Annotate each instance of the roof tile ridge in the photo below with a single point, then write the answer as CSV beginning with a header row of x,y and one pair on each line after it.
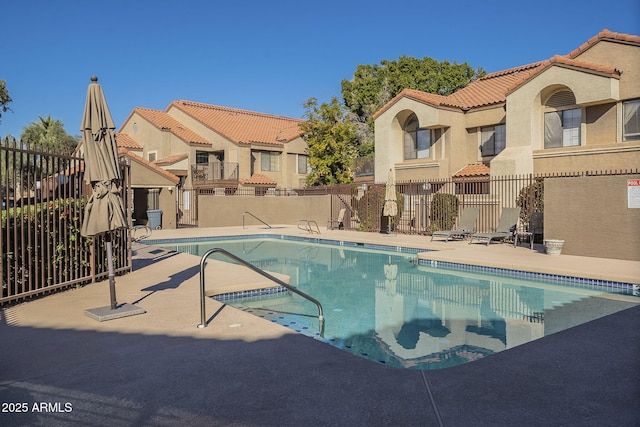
x,y
559,59
124,151
514,70
232,109
176,128
604,34
148,109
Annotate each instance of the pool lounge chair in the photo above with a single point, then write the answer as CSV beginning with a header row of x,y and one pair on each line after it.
x,y
466,226
506,226
535,228
337,223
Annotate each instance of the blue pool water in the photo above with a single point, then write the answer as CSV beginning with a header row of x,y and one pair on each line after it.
x,y
382,306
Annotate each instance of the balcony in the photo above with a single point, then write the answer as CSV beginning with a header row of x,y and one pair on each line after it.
x,y
215,174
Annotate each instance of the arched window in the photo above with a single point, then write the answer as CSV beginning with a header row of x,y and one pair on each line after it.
x,y
562,120
417,142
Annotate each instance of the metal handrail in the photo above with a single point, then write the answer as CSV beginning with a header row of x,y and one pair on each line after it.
x,y
203,320
307,226
246,212
136,237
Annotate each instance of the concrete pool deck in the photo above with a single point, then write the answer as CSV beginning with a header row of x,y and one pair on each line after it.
x,y
159,369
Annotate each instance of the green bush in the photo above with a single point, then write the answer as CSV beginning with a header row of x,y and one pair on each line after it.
x,y
47,243
444,210
371,205
530,200
50,249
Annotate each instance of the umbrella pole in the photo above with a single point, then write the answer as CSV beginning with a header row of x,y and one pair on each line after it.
x,y
112,280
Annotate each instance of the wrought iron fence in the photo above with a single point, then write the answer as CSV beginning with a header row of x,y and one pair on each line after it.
x,y
43,197
428,206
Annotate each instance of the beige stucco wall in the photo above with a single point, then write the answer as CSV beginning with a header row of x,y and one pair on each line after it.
x,y
168,205
618,157
623,57
222,211
448,154
599,95
591,215
246,155
146,178
164,143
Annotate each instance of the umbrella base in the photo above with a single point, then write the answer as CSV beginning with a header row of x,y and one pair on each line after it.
x,y
102,314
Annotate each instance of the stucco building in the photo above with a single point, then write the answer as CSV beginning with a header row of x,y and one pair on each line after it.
x,y
577,112
219,147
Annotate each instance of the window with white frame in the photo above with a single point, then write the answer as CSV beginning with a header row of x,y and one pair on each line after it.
x,y
152,156
631,120
494,140
270,161
417,142
562,128
303,164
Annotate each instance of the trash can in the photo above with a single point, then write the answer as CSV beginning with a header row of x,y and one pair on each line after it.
x,y
155,219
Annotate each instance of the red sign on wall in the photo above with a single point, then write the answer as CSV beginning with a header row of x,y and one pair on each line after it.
x,y
633,193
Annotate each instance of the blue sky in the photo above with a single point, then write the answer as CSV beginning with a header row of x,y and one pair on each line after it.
x,y
262,56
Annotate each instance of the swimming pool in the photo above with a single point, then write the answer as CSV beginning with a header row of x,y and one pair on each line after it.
x,y
380,304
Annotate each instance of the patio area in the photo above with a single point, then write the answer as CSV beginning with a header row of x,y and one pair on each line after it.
x,y
159,369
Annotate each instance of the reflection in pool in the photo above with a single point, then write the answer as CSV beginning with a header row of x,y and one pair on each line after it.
x,y
383,306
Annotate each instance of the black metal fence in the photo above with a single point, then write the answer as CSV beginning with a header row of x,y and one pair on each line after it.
x,y
428,206
43,197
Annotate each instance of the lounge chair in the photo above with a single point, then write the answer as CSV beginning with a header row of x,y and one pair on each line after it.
x,y
337,223
466,226
535,228
506,226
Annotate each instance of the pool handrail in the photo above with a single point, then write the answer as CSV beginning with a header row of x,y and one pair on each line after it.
x,y
203,320
305,224
247,212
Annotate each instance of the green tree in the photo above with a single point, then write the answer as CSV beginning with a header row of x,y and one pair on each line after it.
x,y
372,86
5,99
51,133
331,140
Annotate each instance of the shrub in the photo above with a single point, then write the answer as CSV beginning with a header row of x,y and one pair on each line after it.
x,y
531,199
371,205
444,210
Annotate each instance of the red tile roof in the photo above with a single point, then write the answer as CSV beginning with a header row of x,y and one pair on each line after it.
x,y
473,170
124,152
490,89
602,35
125,141
163,121
493,88
242,126
563,61
170,160
258,179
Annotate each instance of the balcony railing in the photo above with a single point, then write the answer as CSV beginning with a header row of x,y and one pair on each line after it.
x,y
215,174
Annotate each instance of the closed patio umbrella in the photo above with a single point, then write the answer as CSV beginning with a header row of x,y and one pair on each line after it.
x,y
390,199
104,212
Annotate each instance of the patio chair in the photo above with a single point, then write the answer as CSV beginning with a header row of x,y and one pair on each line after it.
x,y
338,222
466,225
506,226
534,228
